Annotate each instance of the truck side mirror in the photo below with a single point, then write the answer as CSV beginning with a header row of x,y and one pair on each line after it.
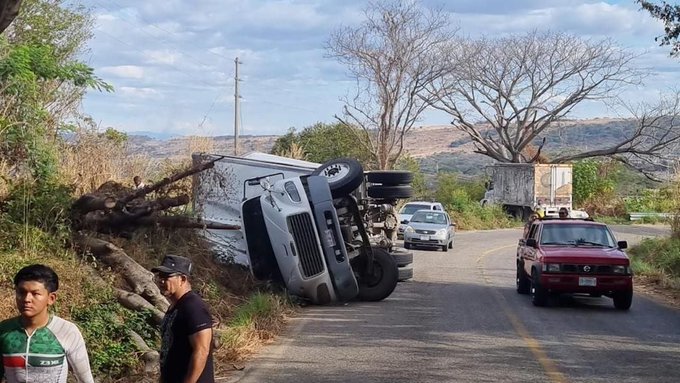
x,y
265,184
531,242
622,244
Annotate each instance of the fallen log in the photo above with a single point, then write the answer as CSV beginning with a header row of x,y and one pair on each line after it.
x,y
138,278
179,221
90,202
168,180
150,357
135,302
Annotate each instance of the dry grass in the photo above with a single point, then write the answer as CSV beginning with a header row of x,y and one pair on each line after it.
x,y
198,144
74,280
91,159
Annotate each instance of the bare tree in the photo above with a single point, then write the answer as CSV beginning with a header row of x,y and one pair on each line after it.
x,y
651,146
504,93
393,57
670,15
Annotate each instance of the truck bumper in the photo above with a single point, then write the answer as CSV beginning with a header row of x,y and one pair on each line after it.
x,y
574,283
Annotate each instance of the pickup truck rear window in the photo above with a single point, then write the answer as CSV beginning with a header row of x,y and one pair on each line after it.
x,y
577,235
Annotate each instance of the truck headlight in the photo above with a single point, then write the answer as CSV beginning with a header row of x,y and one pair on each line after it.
x,y
292,191
620,269
409,229
551,267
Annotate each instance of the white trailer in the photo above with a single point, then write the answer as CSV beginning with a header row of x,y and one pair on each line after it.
x,y
520,188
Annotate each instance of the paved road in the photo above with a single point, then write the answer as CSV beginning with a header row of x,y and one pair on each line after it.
x,y
460,320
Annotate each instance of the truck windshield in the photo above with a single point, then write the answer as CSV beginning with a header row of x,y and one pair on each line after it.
x,y
410,209
577,235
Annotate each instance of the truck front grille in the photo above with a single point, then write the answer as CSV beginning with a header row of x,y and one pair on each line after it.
x,y
587,269
302,229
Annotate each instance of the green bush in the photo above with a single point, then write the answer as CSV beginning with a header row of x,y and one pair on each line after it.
x,y
653,200
35,216
106,328
657,254
461,200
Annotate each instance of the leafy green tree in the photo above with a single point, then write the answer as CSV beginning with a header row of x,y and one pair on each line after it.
x,y
670,15
322,142
284,143
592,177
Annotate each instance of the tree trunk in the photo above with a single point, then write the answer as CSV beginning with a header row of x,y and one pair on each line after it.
x,y
168,180
135,302
177,221
150,357
140,279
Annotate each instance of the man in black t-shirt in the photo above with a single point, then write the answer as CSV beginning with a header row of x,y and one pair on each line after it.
x,y
186,331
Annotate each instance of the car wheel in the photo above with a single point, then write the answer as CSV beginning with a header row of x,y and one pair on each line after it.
x,y
451,244
539,296
407,245
390,177
623,299
344,175
523,283
445,247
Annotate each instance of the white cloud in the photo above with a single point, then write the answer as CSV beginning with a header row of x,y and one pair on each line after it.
x,y
130,91
164,57
124,71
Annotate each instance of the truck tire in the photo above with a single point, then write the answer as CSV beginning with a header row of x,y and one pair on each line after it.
x,y
382,282
523,283
405,273
402,258
539,296
390,191
623,299
344,175
390,177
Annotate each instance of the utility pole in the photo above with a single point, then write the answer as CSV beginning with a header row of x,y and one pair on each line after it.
x,y
237,108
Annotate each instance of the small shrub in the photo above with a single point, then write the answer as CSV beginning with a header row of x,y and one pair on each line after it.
x,y
106,327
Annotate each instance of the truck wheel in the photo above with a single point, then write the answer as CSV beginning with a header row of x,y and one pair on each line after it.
x,y
391,191
390,177
402,258
523,283
382,282
343,174
539,296
623,299
405,273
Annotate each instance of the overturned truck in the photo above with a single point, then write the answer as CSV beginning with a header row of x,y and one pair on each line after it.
x,y
302,225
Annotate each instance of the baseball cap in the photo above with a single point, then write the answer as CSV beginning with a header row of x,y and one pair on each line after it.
x,y
174,264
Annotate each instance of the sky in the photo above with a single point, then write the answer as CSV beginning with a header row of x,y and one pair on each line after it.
x,y
171,62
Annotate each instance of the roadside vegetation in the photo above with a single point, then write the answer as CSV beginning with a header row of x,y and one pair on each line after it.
x,y
658,260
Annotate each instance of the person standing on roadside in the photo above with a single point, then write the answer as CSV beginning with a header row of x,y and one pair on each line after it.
x,y
186,331
37,347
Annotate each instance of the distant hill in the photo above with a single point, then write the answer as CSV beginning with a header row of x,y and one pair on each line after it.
x,y
438,147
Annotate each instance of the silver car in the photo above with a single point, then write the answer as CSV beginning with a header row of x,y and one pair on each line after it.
x,y
430,228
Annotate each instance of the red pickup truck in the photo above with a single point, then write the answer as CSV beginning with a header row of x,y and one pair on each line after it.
x,y
573,256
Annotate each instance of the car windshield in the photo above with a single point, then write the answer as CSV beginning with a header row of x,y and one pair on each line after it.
x,y
577,235
410,209
429,217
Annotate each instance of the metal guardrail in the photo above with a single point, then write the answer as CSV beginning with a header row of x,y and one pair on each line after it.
x,y
640,216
